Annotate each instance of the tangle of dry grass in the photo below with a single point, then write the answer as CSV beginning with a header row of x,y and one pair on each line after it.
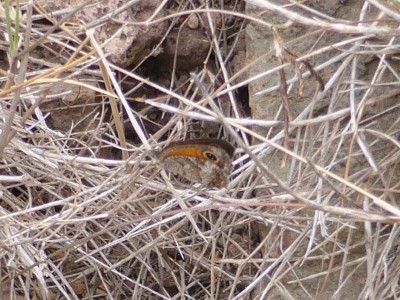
x,y
86,214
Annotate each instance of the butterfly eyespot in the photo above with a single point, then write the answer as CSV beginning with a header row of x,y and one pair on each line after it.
x,y
210,156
